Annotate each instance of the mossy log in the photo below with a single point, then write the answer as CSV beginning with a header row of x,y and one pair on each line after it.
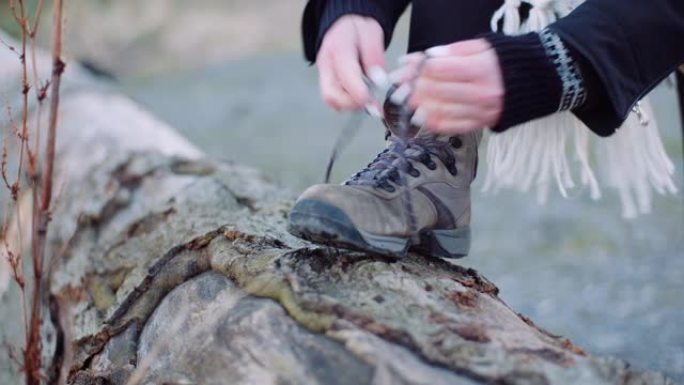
x,y
177,269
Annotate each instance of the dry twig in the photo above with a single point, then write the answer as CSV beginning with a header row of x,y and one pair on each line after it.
x,y
40,190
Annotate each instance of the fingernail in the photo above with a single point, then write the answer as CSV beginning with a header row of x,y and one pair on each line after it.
x,y
418,118
438,51
409,57
378,76
396,76
400,95
403,59
373,111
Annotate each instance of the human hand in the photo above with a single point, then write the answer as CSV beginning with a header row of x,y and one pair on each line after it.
x,y
459,88
352,47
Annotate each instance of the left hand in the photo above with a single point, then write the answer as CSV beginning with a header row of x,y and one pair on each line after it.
x,y
460,88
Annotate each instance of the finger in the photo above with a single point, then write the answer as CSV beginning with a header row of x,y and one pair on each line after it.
x,y
408,69
437,112
412,58
443,115
454,126
400,95
330,89
454,68
400,75
371,46
463,48
429,90
403,74
419,117
374,109
348,72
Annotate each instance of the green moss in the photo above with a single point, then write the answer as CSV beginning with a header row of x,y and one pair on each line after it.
x,y
254,274
275,287
102,295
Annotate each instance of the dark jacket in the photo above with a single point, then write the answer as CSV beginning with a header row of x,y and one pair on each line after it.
x,y
624,47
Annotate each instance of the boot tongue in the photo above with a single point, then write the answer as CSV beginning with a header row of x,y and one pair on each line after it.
x,y
415,132
393,118
423,132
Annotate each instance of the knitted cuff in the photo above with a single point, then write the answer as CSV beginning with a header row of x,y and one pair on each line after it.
x,y
335,9
574,94
539,74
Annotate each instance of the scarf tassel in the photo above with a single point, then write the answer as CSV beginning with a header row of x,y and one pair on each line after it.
x,y
535,154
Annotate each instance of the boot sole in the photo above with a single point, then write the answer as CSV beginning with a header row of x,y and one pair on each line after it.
x,y
323,223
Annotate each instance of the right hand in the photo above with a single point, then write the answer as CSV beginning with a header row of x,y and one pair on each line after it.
x,y
353,46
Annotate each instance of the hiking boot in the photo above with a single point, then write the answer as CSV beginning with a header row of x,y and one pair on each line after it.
x,y
370,212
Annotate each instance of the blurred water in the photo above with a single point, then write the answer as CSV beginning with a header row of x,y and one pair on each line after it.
x,y
574,266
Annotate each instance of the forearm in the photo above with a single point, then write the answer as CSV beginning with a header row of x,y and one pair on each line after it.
x,y
319,15
617,65
630,45
541,76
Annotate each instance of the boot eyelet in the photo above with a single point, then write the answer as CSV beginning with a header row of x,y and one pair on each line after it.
x,y
414,173
432,166
456,142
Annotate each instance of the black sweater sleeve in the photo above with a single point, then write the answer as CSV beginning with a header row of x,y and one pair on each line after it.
x,y
625,47
533,87
319,15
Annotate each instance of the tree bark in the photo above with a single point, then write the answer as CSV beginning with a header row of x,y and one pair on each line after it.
x,y
175,268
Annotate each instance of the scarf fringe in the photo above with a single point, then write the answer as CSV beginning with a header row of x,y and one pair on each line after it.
x,y
535,154
636,163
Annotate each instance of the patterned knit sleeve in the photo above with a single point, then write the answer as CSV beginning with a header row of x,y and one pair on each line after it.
x,y
630,46
540,75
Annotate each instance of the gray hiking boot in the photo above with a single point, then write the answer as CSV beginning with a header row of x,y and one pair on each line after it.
x,y
370,212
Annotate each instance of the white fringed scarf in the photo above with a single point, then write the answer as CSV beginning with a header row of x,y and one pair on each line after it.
x,y
535,154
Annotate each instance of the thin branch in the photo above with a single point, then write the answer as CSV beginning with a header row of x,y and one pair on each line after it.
x,y
8,46
58,67
42,199
20,16
3,166
15,11
36,19
13,187
12,354
40,94
14,260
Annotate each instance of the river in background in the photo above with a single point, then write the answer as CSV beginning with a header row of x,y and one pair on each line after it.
x,y
574,266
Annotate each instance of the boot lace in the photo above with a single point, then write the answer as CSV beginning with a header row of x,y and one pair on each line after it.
x,y
390,167
396,160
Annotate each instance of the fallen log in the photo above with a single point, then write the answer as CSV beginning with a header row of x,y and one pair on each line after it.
x,y
175,268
